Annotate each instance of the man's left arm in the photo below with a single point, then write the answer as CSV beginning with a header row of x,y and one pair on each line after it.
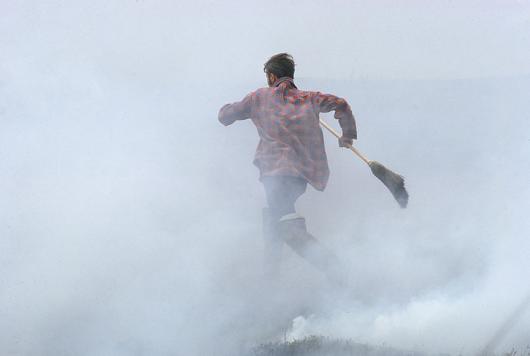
x,y
240,110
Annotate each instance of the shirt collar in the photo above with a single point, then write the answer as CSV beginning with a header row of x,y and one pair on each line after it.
x,y
290,82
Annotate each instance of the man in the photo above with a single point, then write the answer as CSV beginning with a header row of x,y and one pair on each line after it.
x,y
290,154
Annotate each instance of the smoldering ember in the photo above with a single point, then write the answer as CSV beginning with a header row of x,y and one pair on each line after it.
x,y
248,178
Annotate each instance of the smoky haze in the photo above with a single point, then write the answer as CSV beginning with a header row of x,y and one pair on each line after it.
x,y
130,219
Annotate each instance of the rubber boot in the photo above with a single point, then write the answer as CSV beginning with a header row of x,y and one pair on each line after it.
x,y
292,228
272,245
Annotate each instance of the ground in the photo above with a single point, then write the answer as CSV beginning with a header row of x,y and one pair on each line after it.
x,y
320,346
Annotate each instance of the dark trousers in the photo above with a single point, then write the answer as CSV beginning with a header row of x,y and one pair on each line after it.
x,y
282,193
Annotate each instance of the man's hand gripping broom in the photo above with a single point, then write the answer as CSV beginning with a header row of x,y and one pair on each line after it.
x,y
393,181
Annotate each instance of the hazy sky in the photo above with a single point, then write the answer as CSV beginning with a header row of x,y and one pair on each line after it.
x,y
332,39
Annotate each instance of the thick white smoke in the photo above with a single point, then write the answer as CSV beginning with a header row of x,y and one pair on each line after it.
x,y
130,219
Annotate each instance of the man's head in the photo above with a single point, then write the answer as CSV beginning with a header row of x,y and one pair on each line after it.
x,y
279,65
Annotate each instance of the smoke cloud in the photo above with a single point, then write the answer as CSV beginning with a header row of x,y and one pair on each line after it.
x,y
130,219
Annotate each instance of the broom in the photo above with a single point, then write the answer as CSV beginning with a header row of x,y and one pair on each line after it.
x,y
393,181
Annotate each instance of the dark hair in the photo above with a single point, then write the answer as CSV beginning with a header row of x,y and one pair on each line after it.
x,y
281,65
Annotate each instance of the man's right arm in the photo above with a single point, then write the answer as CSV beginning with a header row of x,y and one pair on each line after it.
x,y
240,110
326,103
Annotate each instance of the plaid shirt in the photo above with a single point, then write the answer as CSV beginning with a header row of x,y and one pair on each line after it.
x,y
287,119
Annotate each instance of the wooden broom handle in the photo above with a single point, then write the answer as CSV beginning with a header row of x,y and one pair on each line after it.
x,y
337,135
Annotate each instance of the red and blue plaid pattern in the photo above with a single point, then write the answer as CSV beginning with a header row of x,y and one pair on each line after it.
x,y
287,119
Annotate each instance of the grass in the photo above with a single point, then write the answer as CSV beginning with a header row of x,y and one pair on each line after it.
x,y
322,346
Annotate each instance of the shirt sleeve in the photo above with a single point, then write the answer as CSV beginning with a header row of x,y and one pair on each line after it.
x,y
240,110
343,113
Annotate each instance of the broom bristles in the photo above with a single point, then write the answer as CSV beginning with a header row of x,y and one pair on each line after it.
x,y
393,181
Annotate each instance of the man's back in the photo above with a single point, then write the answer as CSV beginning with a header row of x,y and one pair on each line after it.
x,y
287,119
